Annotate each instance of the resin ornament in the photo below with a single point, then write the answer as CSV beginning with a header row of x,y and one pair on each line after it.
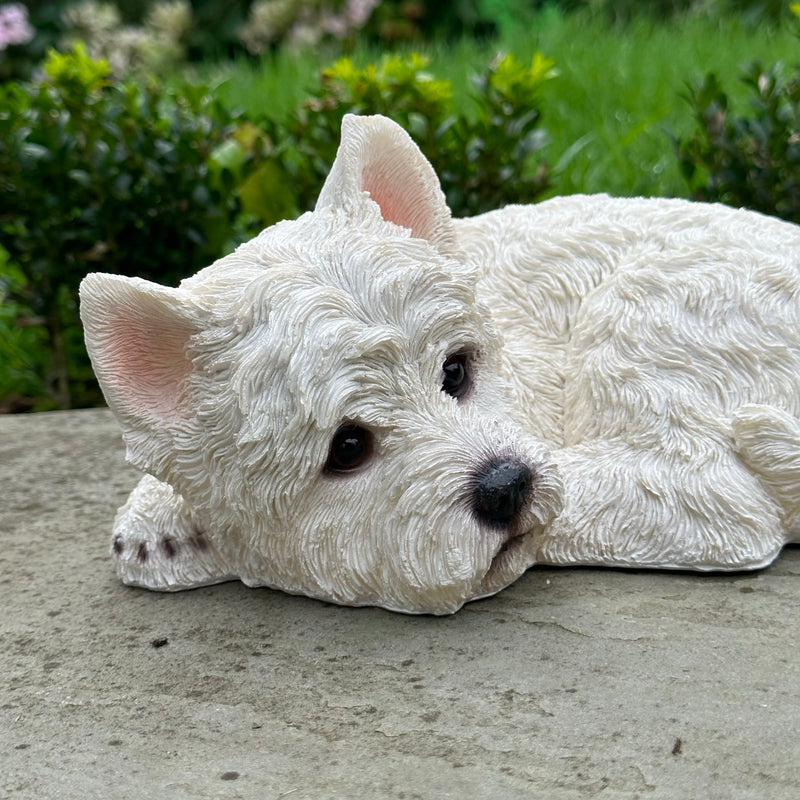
x,y
377,404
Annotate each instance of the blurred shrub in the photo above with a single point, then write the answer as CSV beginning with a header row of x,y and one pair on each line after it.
x,y
23,347
214,32
150,35
758,12
20,41
158,32
307,22
624,11
154,38
142,180
100,176
753,12
303,23
154,45
485,159
751,161
15,28
399,20
490,160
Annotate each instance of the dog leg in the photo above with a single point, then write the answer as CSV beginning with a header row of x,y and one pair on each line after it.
x,y
639,507
768,441
157,544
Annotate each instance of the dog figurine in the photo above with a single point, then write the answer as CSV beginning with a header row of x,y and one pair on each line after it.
x,y
377,404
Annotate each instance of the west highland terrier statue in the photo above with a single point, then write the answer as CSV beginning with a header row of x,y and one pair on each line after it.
x,y
377,404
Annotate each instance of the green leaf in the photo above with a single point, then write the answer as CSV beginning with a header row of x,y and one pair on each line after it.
x,y
75,71
265,194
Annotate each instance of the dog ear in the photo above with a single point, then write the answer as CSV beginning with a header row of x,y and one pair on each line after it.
x,y
136,335
378,157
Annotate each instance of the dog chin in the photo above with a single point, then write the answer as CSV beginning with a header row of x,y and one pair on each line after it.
x,y
513,557
515,551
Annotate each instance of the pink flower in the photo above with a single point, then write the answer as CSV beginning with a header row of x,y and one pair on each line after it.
x,y
14,25
358,11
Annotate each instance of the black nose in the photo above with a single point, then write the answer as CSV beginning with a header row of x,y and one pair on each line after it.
x,y
501,488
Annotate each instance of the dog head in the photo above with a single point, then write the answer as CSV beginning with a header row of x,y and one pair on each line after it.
x,y
331,399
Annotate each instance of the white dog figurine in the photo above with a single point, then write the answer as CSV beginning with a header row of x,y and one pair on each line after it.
x,y
377,404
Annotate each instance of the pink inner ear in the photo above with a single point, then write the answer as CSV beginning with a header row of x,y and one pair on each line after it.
x,y
145,363
402,195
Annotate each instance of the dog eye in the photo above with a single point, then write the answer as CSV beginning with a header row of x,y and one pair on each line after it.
x,y
456,375
350,448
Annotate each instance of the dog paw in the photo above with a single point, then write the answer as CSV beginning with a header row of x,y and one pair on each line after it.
x,y
158,545
767,439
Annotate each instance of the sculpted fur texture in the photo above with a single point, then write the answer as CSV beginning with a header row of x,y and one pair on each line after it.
x,y
377,404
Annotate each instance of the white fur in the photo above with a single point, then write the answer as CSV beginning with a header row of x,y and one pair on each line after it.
x,y
642,357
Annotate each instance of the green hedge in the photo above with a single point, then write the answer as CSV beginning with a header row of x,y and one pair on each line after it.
x,y
155,181
95,175
484,160
753,159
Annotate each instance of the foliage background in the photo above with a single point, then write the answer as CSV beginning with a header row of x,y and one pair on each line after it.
x,y
182,128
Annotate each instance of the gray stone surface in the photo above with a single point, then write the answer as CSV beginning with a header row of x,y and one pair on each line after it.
x,y
572,683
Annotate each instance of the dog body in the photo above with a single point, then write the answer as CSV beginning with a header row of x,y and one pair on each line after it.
x,y
378,404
